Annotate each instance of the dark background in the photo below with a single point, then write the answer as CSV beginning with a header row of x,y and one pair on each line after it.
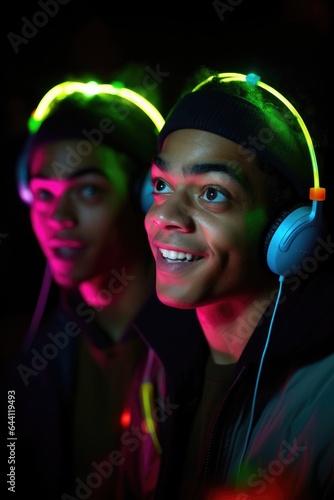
x,y
98,38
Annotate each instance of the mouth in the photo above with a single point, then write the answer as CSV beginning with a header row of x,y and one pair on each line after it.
x,y
67,249
174,256
67,253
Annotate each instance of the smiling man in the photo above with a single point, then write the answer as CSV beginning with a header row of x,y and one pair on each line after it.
x,y
231,228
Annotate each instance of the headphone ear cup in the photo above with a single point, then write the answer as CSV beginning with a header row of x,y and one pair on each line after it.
x,y
290,239
272,229
22,173
145,193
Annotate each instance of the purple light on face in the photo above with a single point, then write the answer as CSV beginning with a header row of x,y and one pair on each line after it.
x,y
54,186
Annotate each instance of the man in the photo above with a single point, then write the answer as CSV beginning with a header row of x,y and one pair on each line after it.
x,y
89,392
235,236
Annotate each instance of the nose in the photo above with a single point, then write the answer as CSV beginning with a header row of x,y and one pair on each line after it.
x,y
173,214
63,215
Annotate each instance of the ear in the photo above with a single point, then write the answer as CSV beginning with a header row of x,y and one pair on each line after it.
x,y
293,237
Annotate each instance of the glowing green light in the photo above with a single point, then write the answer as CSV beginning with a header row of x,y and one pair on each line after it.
x,y
90,89
316,192
148,403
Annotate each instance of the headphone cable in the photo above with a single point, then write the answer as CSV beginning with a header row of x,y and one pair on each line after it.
x,y
39,309
280,279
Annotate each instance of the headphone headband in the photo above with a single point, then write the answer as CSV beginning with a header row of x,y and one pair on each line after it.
x,y
293,235
316,193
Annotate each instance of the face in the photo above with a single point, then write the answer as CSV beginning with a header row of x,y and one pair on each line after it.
x,y
80,210
206,224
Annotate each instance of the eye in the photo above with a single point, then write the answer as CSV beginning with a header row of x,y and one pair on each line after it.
x,y
42,195
90,191
214,195
160,187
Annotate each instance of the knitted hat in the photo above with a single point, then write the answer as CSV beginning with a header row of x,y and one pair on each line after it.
x,y
111,122
235,118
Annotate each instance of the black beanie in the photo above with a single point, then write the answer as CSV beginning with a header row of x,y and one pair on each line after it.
x,y
241,121
114,123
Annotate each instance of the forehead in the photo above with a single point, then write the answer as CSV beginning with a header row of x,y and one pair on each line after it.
x,y
185,148
66,158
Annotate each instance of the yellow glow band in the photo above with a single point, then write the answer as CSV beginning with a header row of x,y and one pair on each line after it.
x,y
92,88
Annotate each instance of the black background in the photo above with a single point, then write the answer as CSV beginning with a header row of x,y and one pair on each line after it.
x,y
98,38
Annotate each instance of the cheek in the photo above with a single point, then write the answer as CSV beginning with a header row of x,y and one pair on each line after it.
x,y
148,219
39,225
99,223
239,236
255,222
224,235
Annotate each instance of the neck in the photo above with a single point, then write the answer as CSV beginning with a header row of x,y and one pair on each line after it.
x,y
118,297
229,324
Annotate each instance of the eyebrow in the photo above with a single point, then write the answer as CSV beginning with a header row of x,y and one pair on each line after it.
x,y
78,173
230,168
87,171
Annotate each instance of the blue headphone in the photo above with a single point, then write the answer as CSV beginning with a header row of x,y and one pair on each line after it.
x,y
144,192
293,235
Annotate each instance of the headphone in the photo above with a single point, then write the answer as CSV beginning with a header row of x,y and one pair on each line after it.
x,y
293,234
143,189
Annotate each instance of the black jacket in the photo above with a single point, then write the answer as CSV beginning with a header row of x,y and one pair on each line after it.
x,y
41,385
289,453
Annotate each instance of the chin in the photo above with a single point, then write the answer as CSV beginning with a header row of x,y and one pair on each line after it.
x,y
175,302
65,281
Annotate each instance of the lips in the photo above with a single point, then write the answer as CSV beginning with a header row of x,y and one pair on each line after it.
x,y
175,260
67,249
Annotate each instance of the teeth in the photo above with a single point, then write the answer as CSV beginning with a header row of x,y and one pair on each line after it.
x,y
173,255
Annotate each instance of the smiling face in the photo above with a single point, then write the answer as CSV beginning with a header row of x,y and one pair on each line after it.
x,y
80,211
206,224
